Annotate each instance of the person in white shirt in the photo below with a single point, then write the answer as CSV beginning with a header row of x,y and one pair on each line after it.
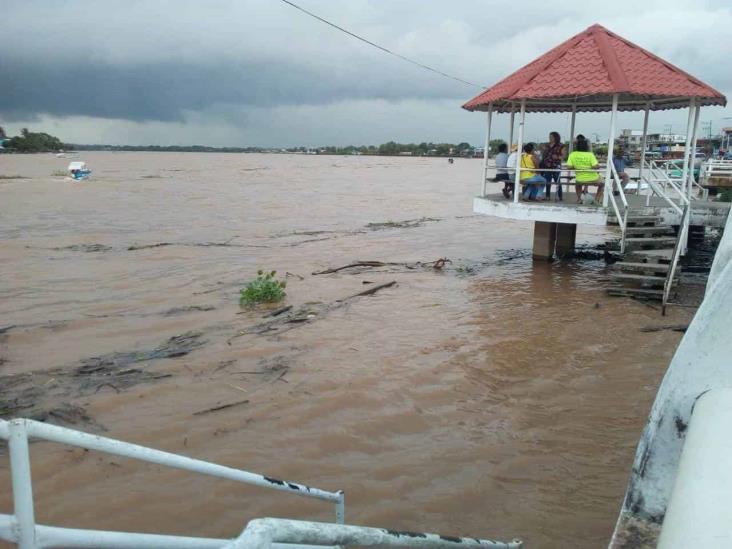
x,y
510,168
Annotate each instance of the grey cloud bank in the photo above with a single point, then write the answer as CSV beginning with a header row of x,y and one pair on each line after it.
x,y
261,73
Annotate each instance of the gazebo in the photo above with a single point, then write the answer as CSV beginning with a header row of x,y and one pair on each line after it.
x,y
595,70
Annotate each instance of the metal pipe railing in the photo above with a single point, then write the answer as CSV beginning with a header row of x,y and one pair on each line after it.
x,y
622,220
678,247
263,533
18,431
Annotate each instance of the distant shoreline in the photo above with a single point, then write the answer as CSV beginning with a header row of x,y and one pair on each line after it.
x,y
230,150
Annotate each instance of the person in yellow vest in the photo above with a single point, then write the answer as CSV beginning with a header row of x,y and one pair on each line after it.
x,y
534,184
582,159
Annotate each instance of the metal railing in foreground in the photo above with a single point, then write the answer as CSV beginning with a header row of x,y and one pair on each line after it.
x,y
22,529
264,533
678,248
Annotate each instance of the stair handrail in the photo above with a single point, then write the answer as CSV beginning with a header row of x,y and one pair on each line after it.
x,y
699,187
622,221
655,188
664,177
678,247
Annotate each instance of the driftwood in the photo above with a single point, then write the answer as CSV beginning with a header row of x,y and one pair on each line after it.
x,y
221,407
34,393
372,290
278,312
356,264
305,314
672,327
437,264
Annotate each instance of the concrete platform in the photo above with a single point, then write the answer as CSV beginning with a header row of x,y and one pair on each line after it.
x,y
552,212
706,213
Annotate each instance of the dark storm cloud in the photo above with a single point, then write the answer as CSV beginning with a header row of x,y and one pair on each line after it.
x,y
259,71
163,91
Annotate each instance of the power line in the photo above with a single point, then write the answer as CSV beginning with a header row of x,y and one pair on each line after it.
x,y
362,39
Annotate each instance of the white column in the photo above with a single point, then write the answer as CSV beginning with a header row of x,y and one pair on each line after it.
x,y
484,188
644,139
692,153
687,144
510,131
571,127
610,146
571,140
517,175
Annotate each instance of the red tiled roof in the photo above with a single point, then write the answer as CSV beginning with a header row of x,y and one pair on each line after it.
x,y
587,70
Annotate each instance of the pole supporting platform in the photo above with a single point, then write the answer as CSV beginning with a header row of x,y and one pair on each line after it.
x,y
545,238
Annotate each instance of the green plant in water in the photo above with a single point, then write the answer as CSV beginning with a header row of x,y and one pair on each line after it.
x,y
263,289
725,196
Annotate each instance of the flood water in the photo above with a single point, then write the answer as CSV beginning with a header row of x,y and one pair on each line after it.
x,y
497,397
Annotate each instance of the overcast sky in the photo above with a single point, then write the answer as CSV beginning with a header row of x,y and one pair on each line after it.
x,y
259,72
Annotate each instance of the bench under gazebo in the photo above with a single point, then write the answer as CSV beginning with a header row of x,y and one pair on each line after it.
x,y
594,71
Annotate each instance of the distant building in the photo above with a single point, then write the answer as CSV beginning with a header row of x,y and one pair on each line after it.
x,y
631,139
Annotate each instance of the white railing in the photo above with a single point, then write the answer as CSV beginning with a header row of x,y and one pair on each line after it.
x,y
678,248
264,533
622,220
661,172
22,529
701,190
652,176
714,168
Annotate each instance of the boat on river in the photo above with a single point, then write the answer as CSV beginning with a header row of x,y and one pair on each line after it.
x,y
79,171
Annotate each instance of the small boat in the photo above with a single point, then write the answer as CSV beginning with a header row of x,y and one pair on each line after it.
x,y
79,171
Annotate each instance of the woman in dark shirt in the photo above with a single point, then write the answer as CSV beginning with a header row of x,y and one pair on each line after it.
x,y
552,159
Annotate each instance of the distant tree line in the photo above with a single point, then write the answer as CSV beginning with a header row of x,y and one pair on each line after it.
x,y
165,148
30,142
393,148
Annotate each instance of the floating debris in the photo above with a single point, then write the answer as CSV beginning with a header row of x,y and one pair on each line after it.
x,y
188,309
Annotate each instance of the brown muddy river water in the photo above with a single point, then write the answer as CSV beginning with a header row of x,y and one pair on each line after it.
x,y
497,397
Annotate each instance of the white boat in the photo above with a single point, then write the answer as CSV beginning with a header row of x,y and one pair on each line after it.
x,y
78,171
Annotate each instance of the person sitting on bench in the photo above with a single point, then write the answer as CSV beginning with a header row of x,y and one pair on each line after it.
x,y
582,161
502,169
534,184
620,164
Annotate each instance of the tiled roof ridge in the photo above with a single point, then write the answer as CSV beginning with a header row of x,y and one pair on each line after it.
x,y
561,50
665,63
609,58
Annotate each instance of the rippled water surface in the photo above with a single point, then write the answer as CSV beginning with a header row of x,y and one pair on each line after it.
x,y
497,397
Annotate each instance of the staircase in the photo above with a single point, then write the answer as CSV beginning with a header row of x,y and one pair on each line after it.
x,y
646,265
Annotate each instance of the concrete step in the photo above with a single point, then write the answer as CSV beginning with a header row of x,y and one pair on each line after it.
x,y
646,242
643,220
640,266
649,280
650,256
657,229
644,293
